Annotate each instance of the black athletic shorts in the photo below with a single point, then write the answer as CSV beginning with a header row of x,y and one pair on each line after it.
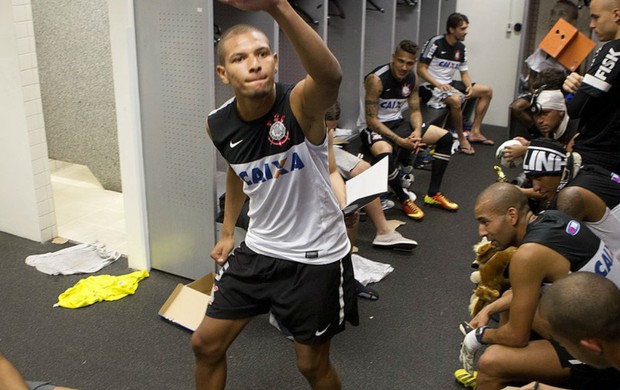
x,y
311,301
585,377
606,159
601,182
401,128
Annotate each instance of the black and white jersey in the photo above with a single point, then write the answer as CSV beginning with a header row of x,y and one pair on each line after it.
x,y
294,214
576,242
443,59
597,103
394,97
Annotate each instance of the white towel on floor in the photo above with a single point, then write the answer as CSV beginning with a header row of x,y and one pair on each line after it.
x,y
83,258
368,271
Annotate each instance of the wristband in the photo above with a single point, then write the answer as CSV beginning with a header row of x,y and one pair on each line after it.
x,y
480,332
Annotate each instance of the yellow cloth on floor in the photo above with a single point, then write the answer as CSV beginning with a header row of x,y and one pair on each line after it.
x,y
100,288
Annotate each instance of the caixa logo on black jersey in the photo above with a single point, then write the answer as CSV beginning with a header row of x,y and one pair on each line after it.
x,y
272,170
278,133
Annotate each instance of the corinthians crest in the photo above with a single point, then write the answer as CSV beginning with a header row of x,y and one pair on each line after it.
x,y
406,90
278,133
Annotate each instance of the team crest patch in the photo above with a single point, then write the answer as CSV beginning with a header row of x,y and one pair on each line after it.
x,y
406,90
457,55
278,133
615,177
573,227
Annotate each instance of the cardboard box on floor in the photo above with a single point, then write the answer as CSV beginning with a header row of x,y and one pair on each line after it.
x,y
187,304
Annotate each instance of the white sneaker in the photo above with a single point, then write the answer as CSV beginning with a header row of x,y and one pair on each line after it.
x,y
404,168
387,204
394,240
411,194
406,180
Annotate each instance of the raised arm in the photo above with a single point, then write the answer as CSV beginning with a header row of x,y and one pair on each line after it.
x,y
319,90
312,96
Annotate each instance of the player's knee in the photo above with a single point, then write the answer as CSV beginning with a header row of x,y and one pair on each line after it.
x,y
486,91
312,365
206,348
308,365
444,144
519,105
392,170
453,101
362,166
490,362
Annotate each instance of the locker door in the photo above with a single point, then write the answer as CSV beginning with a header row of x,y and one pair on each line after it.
x,y
176,76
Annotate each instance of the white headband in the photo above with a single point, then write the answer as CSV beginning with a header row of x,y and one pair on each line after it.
x,y
551,100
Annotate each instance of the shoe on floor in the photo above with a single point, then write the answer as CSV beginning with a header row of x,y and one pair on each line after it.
x,y
412,210
411,194
465,378
394,240
439,200
365,291
465,328
387,204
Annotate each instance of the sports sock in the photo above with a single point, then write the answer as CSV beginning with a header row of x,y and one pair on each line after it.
x,y
394,177
441,158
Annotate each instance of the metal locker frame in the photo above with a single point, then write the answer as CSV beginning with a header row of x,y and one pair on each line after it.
x,y
175,73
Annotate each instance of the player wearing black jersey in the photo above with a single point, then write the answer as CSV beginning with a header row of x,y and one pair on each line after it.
x,y
441,57
388,90
550,246
597,93
295,261
583,312
591,195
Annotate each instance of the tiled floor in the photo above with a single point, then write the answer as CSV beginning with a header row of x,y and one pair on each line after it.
x,y
85,212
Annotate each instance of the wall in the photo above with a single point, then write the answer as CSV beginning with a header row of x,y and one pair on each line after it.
x,y
73,48
26,205
123,48
493,54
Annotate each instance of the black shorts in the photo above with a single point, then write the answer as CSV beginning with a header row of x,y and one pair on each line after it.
x,y
311,301
601,182
606,159
585,377
400,127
